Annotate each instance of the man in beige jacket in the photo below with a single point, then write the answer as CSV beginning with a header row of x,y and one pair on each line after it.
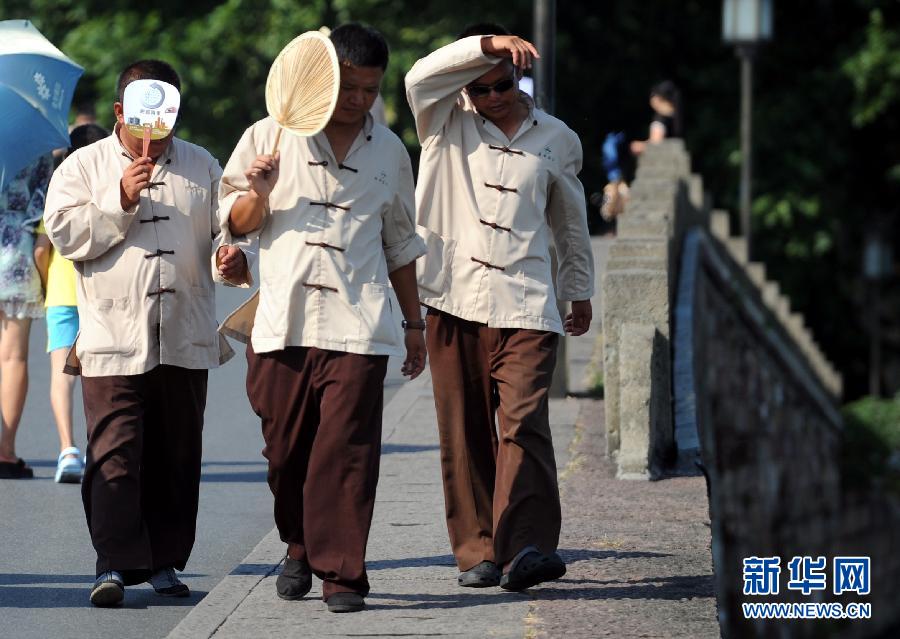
x,y
334,217
142,232
497,183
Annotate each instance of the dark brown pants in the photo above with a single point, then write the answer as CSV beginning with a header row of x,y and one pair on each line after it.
x,y
142,480
500,490
321,421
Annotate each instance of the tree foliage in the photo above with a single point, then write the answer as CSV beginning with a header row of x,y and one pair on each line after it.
x,y
827,165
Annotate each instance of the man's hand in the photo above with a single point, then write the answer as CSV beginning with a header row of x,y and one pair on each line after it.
x,y
232,264
521,51
415,354
263,174
135,179
579,320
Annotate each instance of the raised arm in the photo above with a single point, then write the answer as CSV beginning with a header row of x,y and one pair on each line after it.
x,y
434,82
247,181
83,220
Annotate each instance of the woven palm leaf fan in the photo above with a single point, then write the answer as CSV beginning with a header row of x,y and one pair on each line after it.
x,y
303,83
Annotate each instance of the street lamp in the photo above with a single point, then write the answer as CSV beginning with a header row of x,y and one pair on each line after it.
x,y
545,99
746,23
877,265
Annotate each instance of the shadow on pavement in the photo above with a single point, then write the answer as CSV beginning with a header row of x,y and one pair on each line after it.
x,y
669,588
411,562
387,449
666,588
433,602
17,579
136,598
234,478
571,555
262,570
212,462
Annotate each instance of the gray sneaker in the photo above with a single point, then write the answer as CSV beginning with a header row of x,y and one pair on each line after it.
x,y
345,602
166,583
108,590
484,575
295,580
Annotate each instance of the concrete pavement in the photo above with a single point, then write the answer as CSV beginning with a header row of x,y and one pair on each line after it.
x,y
638,553
413,575
46,558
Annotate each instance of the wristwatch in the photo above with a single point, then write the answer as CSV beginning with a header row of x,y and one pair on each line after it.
x,y
416,325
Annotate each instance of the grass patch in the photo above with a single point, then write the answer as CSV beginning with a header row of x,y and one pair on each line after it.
x,y
595,387
871,446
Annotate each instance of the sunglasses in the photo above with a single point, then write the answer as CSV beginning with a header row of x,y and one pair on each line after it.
x,y
481,90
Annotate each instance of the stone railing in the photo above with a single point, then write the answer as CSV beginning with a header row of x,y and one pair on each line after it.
x,y
707,366
638,297
649,427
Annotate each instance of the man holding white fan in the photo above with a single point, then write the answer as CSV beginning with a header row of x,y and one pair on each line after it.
x,y
137,214
333,212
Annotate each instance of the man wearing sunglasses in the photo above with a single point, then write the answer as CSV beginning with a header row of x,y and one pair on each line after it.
x,y
497,183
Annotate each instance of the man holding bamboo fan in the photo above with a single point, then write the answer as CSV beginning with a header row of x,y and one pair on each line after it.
x,y
333,212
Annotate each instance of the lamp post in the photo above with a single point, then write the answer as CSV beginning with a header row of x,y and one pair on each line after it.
x,y
746,23
545,99
877,264
545,66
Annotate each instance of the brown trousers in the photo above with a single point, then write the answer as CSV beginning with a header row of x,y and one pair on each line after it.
x,y
321,421
500,489
142,479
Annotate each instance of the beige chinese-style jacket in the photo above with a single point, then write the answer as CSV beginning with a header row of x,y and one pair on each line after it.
x,y
488,205
144,275
330,236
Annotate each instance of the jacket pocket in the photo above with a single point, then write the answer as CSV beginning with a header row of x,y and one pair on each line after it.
x,y
203,317
376,315
433,269
539,295
109,327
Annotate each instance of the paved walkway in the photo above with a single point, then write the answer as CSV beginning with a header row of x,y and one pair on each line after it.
x,y
638,553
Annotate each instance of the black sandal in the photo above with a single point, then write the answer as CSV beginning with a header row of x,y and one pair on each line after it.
x,y
530,568
15,470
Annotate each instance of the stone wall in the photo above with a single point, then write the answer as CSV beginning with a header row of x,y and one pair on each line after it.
x,y
771,441
705,361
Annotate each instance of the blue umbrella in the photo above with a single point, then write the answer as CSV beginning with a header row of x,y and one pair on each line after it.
x,y
36,85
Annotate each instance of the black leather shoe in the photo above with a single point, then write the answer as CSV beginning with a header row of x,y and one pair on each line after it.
x,y
345,602
484,575
530,568
295,579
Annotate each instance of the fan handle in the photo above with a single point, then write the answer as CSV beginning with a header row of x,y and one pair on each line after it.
x,y
277,140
